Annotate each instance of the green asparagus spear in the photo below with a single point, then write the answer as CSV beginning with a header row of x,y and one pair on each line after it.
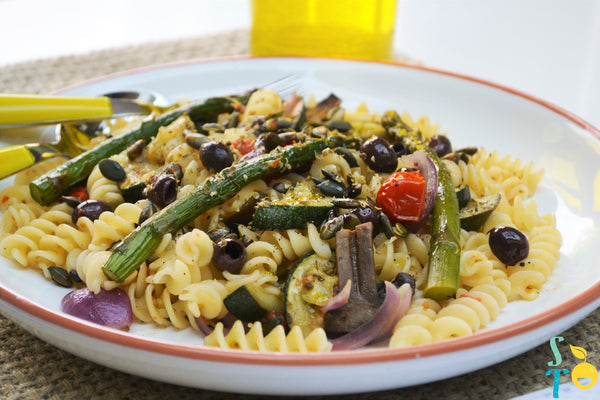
x,y
134,249
444,253
49,187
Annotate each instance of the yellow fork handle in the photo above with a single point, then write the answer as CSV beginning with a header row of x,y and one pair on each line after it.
x,y
24,109
20,156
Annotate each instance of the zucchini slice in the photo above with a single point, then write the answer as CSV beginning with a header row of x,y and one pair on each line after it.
x,y
301,205
476,212
309,286
244,306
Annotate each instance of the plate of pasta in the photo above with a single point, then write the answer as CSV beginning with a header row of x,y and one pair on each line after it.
x,y
368,221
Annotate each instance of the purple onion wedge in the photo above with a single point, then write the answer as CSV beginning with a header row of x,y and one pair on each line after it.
x,y
382,324
108,308
339,299
425,165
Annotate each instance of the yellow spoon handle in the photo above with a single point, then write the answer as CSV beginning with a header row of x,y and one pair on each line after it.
x,y
20,156
19,109
14,159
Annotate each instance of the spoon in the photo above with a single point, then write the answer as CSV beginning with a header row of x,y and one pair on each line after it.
x,y
67,139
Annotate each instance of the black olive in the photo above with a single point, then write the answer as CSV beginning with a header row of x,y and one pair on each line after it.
x,y
91,209
366,214
441,144
163,191
215,155
508,244
271,140
229,255
399,148
112,170
403,278
379,155
173,169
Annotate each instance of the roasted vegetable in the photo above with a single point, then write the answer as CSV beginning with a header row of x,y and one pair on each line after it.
x,y
135,248
49,187
477,211
309,286
355,263
444,254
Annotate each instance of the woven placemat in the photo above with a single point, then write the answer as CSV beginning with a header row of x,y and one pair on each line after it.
x,y
33,369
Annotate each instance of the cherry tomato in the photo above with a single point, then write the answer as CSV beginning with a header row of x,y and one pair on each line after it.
x,y
80,192
402,196
244,146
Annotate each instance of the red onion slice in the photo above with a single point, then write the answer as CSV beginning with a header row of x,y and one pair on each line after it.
x,y
425,165
339,299
109,308
382,324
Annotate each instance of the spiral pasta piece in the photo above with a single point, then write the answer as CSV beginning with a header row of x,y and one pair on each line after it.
x,y
276,340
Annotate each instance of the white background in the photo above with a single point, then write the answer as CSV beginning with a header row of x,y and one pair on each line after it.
x,y
547,48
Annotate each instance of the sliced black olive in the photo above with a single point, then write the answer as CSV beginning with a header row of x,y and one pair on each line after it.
x,y
440,144
163,191
112,170
173,169
271,140
215,155
399,148
508,244
379,155
229,255
60,276
90,209
403,278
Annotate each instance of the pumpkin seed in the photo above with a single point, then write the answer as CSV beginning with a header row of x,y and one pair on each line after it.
x,y
234,120
135,150
345,203
112,170
148,211
385,224
195,140
330,227
213,127
72,201
332,188
340,126
60,276
348,156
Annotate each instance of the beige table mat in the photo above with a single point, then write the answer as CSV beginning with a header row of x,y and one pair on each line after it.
x,y
32,369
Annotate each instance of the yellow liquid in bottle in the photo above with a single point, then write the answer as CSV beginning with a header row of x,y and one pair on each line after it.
x,y
334,28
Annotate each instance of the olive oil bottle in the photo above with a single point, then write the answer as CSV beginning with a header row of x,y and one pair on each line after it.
x,y
360,29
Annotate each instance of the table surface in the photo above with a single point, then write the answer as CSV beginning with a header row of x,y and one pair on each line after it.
x,y
550,49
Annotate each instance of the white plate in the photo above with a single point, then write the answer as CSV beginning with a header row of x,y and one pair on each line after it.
x,y
474,113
